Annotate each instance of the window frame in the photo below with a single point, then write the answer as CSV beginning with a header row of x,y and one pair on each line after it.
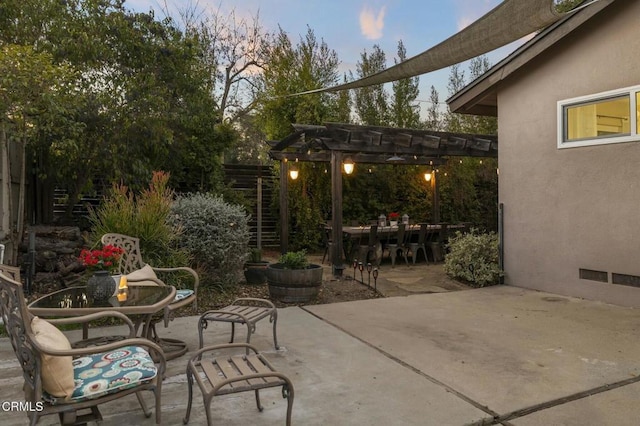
x,y
633,136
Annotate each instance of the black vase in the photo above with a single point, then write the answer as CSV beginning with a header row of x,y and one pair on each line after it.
x,y
101,286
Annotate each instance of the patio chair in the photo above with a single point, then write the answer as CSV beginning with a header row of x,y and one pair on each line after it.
x,y
437,242
415,247
12,272
327,242
141,273
55,374
372,251
397,244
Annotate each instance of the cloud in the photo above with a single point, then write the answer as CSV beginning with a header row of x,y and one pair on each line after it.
x,y
371,25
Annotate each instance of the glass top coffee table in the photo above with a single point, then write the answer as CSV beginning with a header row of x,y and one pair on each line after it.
x,y
140,303
73,301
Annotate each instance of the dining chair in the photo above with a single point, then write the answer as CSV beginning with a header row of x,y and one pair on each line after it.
x,y
371,252
60,379
397,244
415,247
327,242
141,273
437,242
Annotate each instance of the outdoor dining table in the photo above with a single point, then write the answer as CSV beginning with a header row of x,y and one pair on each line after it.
x,y
386,231
140,304
360,234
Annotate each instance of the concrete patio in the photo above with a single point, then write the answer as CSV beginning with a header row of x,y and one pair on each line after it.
x,y
499,355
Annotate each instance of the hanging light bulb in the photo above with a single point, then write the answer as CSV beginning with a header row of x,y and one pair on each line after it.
x,y
293,171
348,165
427,176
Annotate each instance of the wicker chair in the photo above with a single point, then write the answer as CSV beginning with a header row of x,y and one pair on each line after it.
x,y
131,263
53,372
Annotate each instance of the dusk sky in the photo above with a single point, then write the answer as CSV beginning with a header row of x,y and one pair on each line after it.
x,y
349,27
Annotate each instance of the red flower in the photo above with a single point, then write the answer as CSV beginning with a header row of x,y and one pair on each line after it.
x,y
102,259
394,215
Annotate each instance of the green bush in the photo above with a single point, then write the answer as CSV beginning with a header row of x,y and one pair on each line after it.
x,y
255,255
294,260
473,258
216,235
144,216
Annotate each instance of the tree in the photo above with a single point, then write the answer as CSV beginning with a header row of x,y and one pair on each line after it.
x,y
434,121
342,113
468,186
307,66
31,86
234,52
404,108
371,103
142,97
310,64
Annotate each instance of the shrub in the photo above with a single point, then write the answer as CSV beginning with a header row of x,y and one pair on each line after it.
x,y
255,255
473,257
294,260
215,233
143,216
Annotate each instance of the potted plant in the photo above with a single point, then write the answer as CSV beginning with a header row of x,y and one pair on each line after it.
x,y
393,218
293,279
254,268
101,262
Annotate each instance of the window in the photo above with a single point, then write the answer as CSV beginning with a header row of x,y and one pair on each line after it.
x,y
603,118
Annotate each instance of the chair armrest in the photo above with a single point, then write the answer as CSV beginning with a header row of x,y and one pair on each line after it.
x,y
196,278
85,319
92,317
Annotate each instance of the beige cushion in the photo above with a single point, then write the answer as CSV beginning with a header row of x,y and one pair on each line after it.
x,y
138,276
57,371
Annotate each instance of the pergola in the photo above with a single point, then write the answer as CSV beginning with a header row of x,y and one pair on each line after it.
x,y
333,142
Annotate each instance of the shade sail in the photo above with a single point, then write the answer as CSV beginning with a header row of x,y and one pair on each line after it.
x,y
507,22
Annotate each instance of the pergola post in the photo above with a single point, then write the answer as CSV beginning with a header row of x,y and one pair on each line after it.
x,y
336,213
435,205
284,206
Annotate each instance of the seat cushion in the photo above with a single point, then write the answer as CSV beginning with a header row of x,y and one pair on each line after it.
x,y
139,276
182,294
57,371
108,372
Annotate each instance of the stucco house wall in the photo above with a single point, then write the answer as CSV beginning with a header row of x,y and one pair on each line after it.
x,y
566,209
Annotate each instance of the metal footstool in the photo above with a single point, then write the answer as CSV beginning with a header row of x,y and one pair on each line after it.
x,y
242,311
227,374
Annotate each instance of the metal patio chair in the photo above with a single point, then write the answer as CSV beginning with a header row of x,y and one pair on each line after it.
x,y
138,271
55,374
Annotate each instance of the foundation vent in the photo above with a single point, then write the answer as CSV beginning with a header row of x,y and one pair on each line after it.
x,y
624,279
589,274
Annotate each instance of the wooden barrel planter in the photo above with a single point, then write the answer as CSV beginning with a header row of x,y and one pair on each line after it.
x,y
293,285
